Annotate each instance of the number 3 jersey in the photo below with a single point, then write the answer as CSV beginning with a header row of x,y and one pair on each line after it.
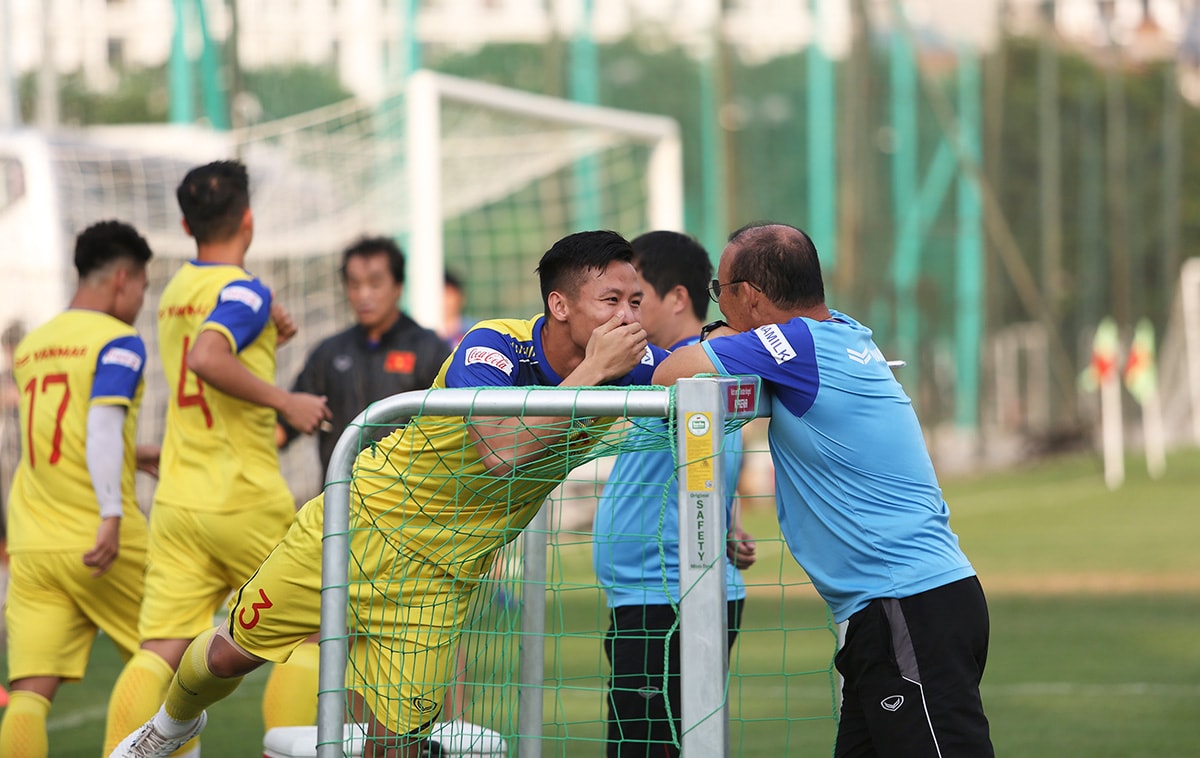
x,y
218,453
78,359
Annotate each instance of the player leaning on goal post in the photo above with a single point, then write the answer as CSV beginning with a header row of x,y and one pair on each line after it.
x,y
221,503
434,502
858,500
77,538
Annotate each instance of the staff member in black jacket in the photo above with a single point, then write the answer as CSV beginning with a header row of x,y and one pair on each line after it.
x,y
384,353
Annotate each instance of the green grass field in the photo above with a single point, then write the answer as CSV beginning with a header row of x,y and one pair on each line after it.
x,y
1095,604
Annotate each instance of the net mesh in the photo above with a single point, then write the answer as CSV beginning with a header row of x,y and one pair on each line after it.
x,y
512,184
455,526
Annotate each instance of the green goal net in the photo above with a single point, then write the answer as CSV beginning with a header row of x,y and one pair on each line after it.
x,y
486,577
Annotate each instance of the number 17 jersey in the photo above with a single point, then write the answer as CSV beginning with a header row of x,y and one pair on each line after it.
x,y
218,454
77,360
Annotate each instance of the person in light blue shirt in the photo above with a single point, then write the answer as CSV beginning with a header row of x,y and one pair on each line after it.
x,y
858,501
636,548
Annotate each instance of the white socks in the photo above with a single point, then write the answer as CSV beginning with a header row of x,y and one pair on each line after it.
x,y
169,727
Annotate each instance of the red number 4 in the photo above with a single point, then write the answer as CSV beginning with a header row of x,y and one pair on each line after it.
x,y
182,398
56,442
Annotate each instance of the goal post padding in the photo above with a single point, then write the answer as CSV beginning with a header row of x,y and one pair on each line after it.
x,y
509,637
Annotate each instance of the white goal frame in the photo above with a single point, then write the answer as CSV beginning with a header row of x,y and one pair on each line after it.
x,y
426,90
1189,300
703,405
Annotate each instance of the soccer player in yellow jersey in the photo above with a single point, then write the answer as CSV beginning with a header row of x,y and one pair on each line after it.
x,y
221,503
77,538
431,505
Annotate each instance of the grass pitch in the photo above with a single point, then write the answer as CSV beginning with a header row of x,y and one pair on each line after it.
x,y
1095,605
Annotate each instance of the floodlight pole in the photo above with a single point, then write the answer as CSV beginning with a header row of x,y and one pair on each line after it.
x,y
585,88
822,140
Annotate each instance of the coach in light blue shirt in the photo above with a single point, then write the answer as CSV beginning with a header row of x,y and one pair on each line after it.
x,y
636,531
858,500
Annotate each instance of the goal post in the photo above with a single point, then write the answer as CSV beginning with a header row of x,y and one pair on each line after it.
x,y
469,174
331,703
441,173
1179,357
701,407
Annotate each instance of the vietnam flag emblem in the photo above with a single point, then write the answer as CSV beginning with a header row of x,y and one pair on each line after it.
x,y
399,362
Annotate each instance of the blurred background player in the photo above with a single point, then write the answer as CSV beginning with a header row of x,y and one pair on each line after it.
x,y
636,531
221,503
10,431
451,491
77,538
455,322
384,353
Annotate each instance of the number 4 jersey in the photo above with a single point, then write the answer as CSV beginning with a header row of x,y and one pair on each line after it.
x,y
78,359
218,454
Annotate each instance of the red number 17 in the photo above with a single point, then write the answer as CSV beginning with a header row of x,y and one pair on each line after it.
x,y
56,442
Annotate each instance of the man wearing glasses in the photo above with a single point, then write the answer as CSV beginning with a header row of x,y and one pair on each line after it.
x,y
858,501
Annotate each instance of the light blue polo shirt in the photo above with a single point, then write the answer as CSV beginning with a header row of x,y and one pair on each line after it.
x,y
858,500
636,530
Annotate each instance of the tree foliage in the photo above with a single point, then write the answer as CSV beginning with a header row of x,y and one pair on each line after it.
x,y
140,95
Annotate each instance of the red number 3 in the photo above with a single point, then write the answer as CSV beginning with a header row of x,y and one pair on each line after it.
x,y
56,442
257,608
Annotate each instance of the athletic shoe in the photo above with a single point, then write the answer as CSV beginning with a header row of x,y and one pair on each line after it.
x,y
148,742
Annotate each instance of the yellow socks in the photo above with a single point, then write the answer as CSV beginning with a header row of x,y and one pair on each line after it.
x,y
23,730
194,687
136,696
290,698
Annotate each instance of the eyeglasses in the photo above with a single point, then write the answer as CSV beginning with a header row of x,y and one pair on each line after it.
x,y
714,287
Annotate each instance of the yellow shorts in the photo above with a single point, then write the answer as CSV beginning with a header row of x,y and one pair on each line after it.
x,y
404,628
55,607
198,558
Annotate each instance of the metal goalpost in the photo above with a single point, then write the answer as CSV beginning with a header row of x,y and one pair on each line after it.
x,y
701,407
426,92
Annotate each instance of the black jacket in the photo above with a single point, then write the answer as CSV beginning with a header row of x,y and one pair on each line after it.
x,y
352,374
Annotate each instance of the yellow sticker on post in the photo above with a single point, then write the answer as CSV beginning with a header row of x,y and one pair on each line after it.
x,y
698,452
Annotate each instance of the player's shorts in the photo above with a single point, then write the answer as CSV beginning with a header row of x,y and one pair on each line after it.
x,y
197,558
55,607
405,619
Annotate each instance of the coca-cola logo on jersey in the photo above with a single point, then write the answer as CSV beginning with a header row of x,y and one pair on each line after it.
x,y
493,358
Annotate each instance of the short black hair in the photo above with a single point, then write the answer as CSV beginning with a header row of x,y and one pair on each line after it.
x,y
213,198
564,266
453,280
781,260
669,259
367,247
105,242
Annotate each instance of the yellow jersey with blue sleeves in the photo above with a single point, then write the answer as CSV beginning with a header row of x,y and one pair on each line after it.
x,y
426,485
78,359
218,454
